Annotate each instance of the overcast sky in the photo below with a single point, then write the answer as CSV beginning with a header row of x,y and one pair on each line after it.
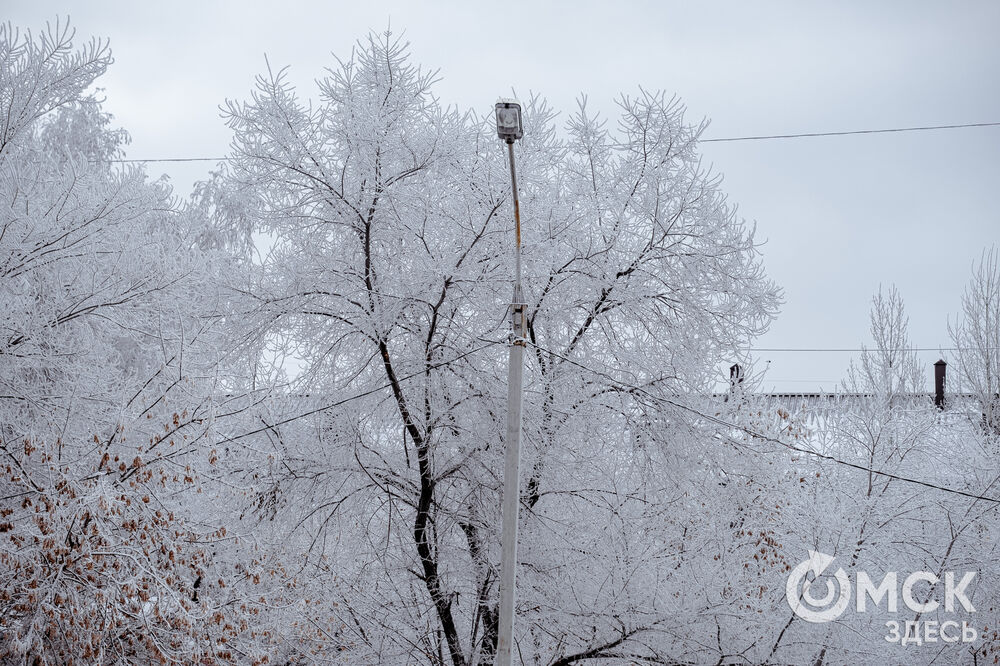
x,y
840,215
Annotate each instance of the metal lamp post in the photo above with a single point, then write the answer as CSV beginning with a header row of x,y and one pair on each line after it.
x,y
508,113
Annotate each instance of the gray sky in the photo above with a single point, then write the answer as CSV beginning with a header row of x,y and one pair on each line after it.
x,y
840,215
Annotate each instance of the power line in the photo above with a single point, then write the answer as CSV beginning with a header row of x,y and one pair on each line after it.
x,y
765,137
849,132
172,159
767,438
363,394
775,380
869,350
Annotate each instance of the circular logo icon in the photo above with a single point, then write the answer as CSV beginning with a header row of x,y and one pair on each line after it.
x,y
799,594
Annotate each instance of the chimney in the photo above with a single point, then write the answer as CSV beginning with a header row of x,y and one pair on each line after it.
x,y
735,379
939,371
735,375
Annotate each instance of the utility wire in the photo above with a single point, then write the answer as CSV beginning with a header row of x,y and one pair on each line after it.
x,y
630,388
763,437
870,349
848,132
363,394
766,137
172,159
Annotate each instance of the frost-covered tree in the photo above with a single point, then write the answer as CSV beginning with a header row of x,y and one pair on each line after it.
x,y
887,380
108,366
387,280
976,334
881,500
266,425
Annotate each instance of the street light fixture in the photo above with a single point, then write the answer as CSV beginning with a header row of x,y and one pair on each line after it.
x,y
509,129
509,120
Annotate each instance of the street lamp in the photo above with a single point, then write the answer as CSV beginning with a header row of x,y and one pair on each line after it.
x,y
509,129
509,120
